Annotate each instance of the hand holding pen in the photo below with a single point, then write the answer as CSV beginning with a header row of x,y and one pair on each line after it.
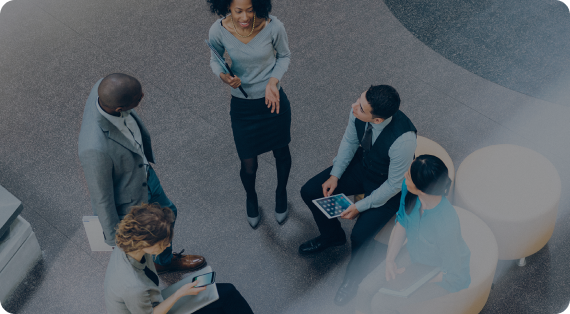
x,y
232,81
236,84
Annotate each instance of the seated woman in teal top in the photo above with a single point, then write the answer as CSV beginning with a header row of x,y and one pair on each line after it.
x,y
431,225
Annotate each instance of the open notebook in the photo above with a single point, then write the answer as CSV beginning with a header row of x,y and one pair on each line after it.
x,y
410,280
191,303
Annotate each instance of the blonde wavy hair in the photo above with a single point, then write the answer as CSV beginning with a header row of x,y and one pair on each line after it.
x,y
145,226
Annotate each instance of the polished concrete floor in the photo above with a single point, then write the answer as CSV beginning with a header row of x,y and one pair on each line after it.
x,y
53,51
523,45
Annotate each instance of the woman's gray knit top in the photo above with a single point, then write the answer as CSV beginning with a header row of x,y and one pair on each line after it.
x,y
267,55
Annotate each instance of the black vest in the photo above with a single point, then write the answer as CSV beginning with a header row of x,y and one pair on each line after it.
x,y
378,159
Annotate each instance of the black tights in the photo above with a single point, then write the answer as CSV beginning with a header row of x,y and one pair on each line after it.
x,y
247,175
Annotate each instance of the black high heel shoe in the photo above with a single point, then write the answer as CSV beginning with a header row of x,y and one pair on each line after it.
x,y
253,207
280,203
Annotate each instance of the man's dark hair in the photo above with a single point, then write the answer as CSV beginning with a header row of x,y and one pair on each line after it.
x,y
384,100
262,8
119,90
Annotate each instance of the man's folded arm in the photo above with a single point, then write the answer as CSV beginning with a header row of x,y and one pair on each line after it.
x,y
401,155
347,148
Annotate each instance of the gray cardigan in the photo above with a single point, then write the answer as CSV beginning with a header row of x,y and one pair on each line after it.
x,y
128,290
267,55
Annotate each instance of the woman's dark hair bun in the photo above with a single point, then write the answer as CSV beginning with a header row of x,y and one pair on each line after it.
x,y
430,175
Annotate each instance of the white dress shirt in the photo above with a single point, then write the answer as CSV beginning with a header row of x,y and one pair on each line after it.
x,y
401,155
129,127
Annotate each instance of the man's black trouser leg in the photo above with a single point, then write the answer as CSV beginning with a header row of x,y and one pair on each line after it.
x,y
369,223
350,183
362,242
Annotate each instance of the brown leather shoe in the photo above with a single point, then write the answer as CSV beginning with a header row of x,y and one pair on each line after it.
x,y
182,263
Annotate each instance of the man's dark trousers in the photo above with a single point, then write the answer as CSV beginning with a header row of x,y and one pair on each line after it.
x,y
353,181
156,195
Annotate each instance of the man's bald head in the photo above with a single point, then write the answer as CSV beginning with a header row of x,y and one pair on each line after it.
x,y
119,90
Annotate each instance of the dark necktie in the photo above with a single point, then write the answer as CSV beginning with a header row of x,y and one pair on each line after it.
x,y
367,138
366,143
149,273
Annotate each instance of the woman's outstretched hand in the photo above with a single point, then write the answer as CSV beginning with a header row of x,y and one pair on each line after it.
x,y
392,270
232,81
272,95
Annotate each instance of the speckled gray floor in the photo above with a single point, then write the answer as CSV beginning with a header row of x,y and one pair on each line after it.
x,y
523,45
53,51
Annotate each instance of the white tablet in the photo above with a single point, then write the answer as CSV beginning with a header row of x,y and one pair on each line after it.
x,y
411,280
333,205
191,303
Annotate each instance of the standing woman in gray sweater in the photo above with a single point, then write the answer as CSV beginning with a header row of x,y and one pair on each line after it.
x,y
257,45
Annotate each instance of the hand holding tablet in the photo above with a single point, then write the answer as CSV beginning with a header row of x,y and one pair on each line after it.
x,y
350,213
333,206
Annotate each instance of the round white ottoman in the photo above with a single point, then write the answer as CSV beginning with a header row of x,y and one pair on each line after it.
x,y
425,147
482,266
516,191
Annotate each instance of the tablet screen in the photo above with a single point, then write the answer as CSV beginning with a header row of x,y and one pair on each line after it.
x,y
204,280
333,205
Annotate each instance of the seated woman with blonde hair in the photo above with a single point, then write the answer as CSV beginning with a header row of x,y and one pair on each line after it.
x,y
131,281
431,225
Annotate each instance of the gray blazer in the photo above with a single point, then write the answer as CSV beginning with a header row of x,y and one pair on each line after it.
x,y
114,172
128,290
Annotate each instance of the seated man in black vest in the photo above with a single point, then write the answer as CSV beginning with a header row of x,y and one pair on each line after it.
x,y
387,140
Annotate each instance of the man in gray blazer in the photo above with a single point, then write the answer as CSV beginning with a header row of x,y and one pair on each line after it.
x,y
115,153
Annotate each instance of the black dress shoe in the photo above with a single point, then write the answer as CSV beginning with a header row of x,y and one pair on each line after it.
x,y
318,244
346,292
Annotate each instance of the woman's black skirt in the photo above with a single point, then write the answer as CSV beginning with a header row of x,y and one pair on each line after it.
x,y
257,130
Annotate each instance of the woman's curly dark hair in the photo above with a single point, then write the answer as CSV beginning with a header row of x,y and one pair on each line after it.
x,y
145,226
262,8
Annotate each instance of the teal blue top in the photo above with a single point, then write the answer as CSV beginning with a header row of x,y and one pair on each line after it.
x,y
435,239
